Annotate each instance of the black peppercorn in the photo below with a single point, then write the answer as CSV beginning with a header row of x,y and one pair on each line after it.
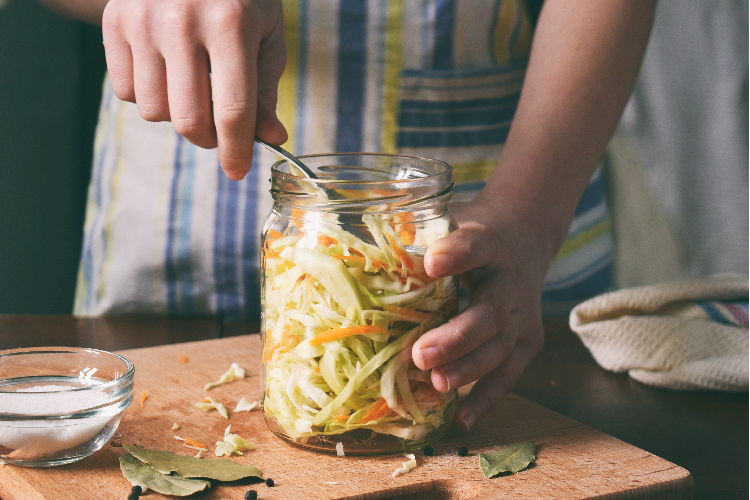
x,y
463,451
269,482
132,496
136,490
251,495
428,451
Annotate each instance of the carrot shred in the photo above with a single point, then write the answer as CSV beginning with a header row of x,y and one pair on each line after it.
x,y
183,358
403,224
269,352
297,218
341,417
421,277
143,398
400,253
191,442
325,240
273,234
288,341
406,237
380,409
403,218
337,333
269,348
417,316
357,258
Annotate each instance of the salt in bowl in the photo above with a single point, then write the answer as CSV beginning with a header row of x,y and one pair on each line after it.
x,y
60,404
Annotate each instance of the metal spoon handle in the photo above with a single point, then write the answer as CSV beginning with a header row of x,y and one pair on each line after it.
x,y
288,157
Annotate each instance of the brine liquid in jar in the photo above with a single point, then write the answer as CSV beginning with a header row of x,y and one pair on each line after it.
x,y
344,298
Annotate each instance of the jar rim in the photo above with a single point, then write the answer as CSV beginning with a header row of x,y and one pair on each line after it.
x,y
425,159
348,181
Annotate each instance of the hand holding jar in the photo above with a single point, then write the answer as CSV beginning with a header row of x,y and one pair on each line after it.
x,y
498,334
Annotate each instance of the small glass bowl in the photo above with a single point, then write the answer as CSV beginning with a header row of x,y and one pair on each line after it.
x,y
60,404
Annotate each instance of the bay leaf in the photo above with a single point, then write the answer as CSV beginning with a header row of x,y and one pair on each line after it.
x,y
219,469
138,472
513,459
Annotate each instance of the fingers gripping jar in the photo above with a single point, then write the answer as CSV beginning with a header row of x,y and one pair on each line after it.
x,y
344,298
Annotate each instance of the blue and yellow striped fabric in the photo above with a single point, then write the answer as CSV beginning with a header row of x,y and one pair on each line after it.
x,y
166,232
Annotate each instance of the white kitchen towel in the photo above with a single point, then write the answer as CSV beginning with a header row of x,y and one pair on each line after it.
x,y
690,334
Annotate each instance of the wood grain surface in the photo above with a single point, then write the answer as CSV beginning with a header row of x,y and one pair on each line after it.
x,y
574,461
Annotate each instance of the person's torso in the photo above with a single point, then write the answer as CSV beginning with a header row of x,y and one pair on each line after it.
x,y
167,232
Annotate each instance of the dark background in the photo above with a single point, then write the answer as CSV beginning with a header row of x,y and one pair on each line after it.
x,y
51,71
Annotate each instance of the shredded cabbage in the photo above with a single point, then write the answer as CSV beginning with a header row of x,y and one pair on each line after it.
x,y
231,375
406,466
340,317
210,404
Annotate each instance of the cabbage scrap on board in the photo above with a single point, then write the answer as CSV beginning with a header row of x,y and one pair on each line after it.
x,y
340,317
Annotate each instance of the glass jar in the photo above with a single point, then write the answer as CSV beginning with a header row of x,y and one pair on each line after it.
x,y
344,298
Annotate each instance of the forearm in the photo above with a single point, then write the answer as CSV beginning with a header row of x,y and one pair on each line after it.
x,y
584,61
84,10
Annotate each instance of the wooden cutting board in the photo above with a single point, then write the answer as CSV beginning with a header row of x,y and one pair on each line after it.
x,y
574,461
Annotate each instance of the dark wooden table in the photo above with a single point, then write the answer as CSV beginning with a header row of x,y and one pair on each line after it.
x,y
704,432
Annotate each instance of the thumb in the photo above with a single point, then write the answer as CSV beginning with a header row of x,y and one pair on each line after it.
x,y
467,248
